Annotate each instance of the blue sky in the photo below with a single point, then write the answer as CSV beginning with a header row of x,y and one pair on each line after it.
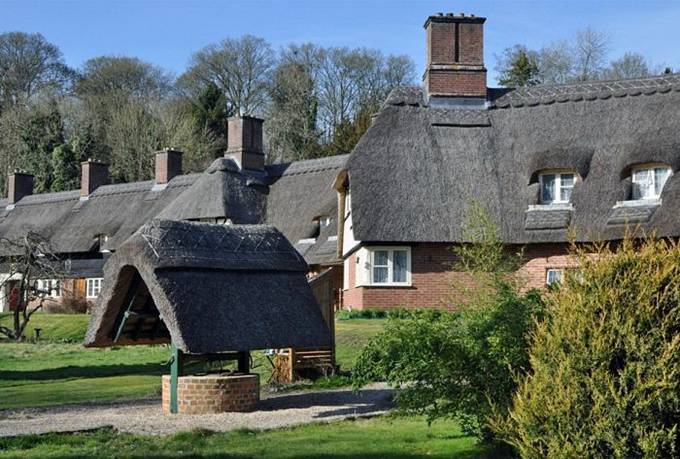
x,y
166,32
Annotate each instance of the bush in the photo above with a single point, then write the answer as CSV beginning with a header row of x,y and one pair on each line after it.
x,y
461,365
68,305
454,365
606,367
395,313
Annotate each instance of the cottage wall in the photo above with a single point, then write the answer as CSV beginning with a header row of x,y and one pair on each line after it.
x,y
432,278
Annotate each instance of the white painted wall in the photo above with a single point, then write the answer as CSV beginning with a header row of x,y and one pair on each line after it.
x,y
348,241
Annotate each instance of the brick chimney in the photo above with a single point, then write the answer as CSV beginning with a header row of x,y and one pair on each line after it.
x,y
244,141
94,173
20,184
455,71
168,165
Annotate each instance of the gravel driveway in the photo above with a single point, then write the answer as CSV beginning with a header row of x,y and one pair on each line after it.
x,y
145,416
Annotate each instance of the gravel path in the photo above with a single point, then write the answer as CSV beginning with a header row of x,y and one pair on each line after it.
x,y
145,416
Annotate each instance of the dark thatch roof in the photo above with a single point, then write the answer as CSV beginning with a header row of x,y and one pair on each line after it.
x,y
216,287
290,196
300,193
222,191
415,171
75,225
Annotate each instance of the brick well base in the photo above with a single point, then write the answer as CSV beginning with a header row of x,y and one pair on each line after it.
x,y
213,393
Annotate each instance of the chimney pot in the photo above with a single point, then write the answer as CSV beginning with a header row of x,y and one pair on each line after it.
x,y
94,174
244,142
168,165
20,184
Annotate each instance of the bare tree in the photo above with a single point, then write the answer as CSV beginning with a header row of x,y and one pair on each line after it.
x,y
590,54
29,63
241,68
34,261
631,65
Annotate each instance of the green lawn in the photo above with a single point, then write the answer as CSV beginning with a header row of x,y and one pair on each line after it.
x,y
58,369
387,437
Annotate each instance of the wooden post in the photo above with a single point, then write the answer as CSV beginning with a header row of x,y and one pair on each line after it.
x,y
244,362
291,368
175,373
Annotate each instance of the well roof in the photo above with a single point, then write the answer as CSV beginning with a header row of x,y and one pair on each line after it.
x,y
216,287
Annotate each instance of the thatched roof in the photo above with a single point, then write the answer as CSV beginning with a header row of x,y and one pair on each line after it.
x,y
216,288
222,191
75,225
415,171
300,193
290,196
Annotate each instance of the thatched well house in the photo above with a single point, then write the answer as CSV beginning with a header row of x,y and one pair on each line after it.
x,y
207,288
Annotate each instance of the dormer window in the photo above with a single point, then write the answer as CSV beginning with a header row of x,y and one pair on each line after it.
x,y
648,181
556,187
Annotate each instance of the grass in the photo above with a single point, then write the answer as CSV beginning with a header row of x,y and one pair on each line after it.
x,y
388,437
58,370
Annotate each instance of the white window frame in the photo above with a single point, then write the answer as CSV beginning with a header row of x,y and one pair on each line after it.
x,y
560,276
51,285
558,185
650,167
390,266
95,283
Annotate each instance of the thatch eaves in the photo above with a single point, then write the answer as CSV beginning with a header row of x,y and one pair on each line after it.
x,y
300,193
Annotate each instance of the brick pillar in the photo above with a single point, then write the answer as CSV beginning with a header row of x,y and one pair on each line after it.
x,y
94,174
20,184
168,165
455,57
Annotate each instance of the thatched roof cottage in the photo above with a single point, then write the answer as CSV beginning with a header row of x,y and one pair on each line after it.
x,y
593,157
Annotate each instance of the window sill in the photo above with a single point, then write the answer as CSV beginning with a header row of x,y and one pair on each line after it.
x,y
638,203
399,286
553,206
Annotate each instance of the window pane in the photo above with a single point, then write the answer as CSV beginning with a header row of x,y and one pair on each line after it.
x,y
554,276
643,184
567,180
399,262
547,188
380,275
660,176
380,258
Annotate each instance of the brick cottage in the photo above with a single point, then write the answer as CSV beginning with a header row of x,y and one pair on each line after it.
x,y
545,161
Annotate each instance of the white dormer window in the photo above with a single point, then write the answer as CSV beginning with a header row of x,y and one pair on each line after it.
x,y
325,222
649,180
556,187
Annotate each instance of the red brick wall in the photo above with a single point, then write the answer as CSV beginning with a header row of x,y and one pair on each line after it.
x,y
213,394
471,43
456,83
441,40
432,279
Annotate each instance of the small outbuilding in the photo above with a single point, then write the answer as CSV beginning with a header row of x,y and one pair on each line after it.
x,y
211,291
